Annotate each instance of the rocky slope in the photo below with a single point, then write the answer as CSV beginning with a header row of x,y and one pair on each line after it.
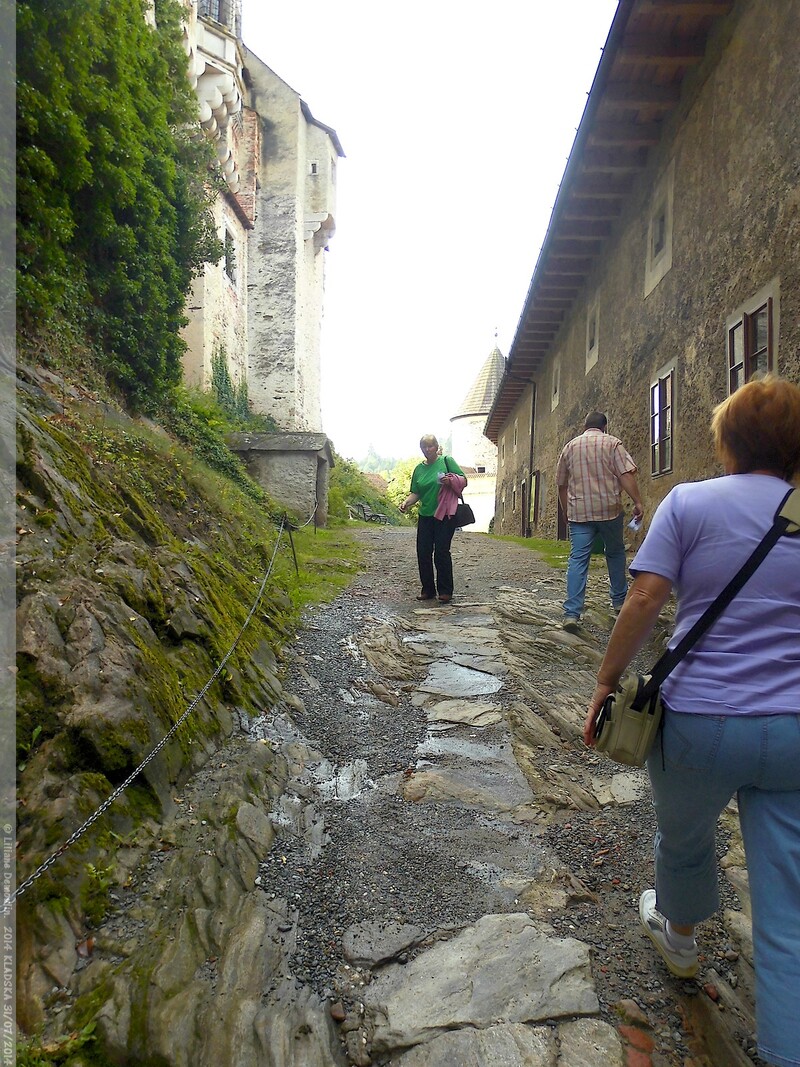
x,y
136,568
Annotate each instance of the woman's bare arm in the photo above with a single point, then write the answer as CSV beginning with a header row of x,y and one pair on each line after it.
x,y
646,597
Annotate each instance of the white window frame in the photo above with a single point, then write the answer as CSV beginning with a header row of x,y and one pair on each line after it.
x,y
659,229
592,334
768,297
657,418
555,391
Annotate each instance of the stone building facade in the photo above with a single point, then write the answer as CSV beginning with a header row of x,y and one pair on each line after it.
x,y
293,223
259,310
670,271
217,308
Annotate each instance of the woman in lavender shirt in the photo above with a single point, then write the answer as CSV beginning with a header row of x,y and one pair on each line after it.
x,y
732,705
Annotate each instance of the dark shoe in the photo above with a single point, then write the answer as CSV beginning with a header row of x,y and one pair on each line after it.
x,y
571,624
445,598
427,596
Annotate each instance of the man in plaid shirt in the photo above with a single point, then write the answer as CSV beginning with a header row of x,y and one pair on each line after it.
x,y
592,470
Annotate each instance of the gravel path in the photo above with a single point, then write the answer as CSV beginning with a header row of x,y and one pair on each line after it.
x,y
386,859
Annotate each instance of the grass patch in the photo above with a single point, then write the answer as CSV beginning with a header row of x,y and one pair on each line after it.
x,y
555,553
33,1052
328,560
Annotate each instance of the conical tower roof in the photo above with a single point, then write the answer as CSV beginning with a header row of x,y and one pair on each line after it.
x,y
480,398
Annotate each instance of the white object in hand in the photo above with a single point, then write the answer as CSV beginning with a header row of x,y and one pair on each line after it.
x,y
635,524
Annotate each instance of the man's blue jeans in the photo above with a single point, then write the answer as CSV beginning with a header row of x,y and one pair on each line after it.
x,y
582,537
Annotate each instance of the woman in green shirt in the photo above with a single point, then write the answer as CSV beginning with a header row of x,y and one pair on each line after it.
x,y
434,536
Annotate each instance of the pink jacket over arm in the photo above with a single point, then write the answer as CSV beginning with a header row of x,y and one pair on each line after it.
x,y
448,497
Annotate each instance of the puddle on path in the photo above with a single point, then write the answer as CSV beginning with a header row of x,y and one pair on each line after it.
x,y
316,781
449,679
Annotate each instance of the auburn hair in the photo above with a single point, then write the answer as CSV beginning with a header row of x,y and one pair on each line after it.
x,y
758,427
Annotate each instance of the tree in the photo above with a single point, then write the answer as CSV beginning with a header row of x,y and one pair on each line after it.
x,y
113,190
400,480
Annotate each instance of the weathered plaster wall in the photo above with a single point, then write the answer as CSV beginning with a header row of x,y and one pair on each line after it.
x,y
218,307
469,445
274,245
479,494
293,224
735,143
513,469
294,468
291,477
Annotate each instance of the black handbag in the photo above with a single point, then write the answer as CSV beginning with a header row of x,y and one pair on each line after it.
x,y
630,718
464,515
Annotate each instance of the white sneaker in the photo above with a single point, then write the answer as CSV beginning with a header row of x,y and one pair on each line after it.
x,y
683,963
571,623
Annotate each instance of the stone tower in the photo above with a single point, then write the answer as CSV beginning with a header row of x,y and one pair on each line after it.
x,y
475,453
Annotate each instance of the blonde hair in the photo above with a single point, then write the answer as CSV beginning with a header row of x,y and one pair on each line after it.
x,y
758,427
428,439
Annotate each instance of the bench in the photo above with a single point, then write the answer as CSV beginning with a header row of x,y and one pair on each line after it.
x,y
365,512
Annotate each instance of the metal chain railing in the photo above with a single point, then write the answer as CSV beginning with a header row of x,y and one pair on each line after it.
x,y
48,863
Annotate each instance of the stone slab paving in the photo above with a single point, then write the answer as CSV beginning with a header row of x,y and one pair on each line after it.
x,y
506,968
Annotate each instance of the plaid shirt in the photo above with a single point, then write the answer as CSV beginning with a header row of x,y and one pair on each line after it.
x,y
590,467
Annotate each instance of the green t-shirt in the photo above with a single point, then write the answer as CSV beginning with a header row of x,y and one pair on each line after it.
x,y
425,482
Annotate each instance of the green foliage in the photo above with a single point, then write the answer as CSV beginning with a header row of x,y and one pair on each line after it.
x,y
54,1052
113,193
200,422
230,397
400,480
349,485
94,892
26,747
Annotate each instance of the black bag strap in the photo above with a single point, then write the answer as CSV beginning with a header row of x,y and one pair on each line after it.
x,y
460,495
787,521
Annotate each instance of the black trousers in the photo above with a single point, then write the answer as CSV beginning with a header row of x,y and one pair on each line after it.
x,y
434,537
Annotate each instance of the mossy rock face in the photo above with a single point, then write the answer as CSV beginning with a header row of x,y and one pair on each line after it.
x,y
137,568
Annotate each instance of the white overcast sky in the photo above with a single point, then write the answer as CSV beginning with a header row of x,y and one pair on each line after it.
x,y
456,121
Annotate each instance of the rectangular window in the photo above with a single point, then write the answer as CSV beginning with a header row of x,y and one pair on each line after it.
x,y
658,258
662,402
556,389
230,256
750,346
592,336
227,12
658,232
515,436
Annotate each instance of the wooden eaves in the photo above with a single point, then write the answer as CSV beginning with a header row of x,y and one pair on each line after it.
x,y
651,47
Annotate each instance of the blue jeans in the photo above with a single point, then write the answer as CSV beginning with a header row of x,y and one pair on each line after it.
x,y
706,760
581,539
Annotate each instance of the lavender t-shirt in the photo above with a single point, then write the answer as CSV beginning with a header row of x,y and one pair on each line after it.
x,y
748,662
